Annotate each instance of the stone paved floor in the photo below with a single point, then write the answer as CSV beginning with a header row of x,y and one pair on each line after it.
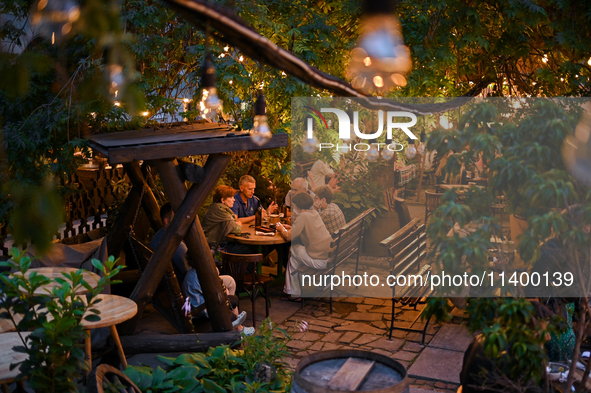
x,y
361,323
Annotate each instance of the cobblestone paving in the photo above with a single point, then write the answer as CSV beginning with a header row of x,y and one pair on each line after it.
x,y
361,323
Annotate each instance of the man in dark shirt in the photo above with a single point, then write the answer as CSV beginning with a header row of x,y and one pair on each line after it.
x,y
246,203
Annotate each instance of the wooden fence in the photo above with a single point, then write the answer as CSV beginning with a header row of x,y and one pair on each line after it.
x,y
93,193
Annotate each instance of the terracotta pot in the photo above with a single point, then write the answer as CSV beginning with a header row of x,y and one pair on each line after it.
x,y
518,226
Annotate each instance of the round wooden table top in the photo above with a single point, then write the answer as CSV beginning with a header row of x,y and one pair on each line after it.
x,y
257,240
56,272
114,310
8,355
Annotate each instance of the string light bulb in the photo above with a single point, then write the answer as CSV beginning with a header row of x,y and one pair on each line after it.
x,y
411,150
380,58
387,153
422,146
261,133
373,153
211,102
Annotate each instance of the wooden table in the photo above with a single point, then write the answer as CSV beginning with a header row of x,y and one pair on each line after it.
x,y
56,272
9,356
458,187
258,240
114,310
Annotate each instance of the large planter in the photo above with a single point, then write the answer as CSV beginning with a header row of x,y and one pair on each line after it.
x,y
518,225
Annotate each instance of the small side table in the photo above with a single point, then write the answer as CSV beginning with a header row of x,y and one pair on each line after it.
x,y
56,272
114,310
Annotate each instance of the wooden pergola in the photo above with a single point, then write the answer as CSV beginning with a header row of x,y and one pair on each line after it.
x,y
160,147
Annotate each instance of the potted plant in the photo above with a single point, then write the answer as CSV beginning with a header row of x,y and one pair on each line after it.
x,y
55,348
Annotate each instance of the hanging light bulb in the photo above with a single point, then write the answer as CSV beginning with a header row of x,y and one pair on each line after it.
x,y
373,153
310,145
54,18
388,154
261,133
411,150
344,147
211,102
422,146
380,58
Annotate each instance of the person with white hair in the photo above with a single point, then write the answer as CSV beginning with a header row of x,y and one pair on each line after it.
x,y
299,184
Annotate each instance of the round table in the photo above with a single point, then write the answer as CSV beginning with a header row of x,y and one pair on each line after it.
x,y
56,272
257,240
261,240
114,310
9,356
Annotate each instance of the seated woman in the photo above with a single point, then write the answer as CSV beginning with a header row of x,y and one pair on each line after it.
x,y
220,221
315,242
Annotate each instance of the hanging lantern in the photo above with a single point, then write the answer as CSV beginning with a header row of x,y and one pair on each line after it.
x,y
373,153
422,145
261,133
380,60
388,154
54,18
210,101
411,150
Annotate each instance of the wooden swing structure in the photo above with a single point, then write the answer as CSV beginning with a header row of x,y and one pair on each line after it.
x,y
159,147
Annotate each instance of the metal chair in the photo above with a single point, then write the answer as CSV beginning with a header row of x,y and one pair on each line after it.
x,y
236,266
431,203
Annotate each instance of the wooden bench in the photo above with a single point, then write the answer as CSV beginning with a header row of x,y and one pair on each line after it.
x,y
346,242
408,248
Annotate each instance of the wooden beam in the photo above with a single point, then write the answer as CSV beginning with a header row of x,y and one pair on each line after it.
x,y
118,233
199,252
158,343
165,150
149,202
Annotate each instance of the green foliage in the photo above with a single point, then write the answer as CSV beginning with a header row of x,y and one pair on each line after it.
x,y
259,367
55,348
514,336
361,188
520,143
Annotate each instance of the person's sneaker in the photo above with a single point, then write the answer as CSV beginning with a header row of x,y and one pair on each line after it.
x,y
239,319
248,331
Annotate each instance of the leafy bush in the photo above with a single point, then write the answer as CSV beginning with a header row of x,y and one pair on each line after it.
x,y
259,367
55,348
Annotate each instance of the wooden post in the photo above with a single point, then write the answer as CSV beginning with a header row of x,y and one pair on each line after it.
x,y
152,211
118,234
421,177
149,202
182,221
199,252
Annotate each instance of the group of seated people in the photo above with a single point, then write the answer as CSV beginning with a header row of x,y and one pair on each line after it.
x,y
314,218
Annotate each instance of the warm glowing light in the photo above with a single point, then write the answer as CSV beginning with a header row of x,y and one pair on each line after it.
x,y
53,38
116,93
241,59
545,59
367,61
231,81
186,100
445,123
117,103
589,61
378,81
226,48
145,113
